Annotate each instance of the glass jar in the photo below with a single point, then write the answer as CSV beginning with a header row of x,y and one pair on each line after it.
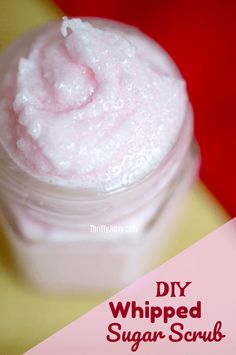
x,y
67,239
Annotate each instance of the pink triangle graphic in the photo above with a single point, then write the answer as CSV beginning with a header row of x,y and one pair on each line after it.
x,y
210,266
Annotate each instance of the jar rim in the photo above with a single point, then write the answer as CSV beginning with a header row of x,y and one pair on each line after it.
x,y
16,180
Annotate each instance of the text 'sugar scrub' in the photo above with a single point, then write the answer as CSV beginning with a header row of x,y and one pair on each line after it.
x,y
154,316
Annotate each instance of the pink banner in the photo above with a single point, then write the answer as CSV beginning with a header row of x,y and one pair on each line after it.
x,y
186,306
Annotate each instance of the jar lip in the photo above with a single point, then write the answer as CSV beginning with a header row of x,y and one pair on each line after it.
x,y
17,181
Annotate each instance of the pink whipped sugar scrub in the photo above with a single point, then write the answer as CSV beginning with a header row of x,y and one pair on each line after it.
x,y
96,153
